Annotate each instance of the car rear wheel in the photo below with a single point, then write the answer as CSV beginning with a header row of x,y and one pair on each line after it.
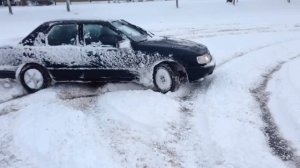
x,y
34,77
166,78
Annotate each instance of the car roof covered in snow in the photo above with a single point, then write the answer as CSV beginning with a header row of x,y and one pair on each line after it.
x,y
66,21
46,25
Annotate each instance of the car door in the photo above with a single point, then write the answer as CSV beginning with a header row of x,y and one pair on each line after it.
x,y
107,60
61,54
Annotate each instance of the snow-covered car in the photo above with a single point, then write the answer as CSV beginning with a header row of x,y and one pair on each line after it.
x,y
97,50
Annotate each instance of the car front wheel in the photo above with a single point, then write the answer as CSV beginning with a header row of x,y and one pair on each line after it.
x,y
34,77
165,78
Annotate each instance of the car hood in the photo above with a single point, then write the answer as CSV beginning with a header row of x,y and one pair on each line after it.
x,y
175,46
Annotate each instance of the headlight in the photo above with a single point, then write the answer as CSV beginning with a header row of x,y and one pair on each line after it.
x,y
204,59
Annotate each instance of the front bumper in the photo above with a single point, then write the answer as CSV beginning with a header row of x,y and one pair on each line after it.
x,y
200,71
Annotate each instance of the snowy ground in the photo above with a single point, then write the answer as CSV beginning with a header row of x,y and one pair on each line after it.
x,y
222,121
284,101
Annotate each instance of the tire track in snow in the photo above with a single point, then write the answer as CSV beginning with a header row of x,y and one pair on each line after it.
x,y
278,144
283,151
186,100
9,109
182,131
234,31
194,33
13,98
243,53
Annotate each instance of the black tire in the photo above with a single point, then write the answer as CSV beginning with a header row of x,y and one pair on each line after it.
x,y
169,72
46,79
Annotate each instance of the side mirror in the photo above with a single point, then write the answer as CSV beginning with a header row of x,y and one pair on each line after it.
x,y
119,38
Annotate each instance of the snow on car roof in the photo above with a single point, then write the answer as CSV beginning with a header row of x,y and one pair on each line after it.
x,y
76,20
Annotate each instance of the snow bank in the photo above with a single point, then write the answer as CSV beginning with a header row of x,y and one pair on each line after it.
x,y
47,132
50,134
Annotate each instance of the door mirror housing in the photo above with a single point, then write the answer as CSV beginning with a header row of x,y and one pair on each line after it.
x,y
119,38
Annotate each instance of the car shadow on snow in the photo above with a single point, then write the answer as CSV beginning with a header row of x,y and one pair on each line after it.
x,y
83,96
11,89
68,91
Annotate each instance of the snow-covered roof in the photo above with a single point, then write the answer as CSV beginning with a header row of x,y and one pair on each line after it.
x,y
75,20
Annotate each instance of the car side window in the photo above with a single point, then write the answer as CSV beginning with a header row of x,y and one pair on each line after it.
x,y
63,35
96,34
92,33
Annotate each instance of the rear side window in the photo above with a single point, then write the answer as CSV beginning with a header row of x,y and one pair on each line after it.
x,y
63,35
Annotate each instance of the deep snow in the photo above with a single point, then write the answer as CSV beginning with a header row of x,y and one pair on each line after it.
x,y
213,123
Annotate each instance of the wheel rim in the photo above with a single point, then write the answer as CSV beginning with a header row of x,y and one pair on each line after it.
x,y
33,78
163,79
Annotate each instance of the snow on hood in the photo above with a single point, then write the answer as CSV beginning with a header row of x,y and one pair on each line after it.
x,y
177,44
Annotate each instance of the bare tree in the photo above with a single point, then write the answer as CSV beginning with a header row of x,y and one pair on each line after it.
x,y
177,4
232,1
68,5
9,7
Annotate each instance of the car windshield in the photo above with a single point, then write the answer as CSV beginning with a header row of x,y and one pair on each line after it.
x,y
133,32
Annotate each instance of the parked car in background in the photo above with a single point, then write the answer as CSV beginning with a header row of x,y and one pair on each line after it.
x,y
97,50
40,2
12,2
